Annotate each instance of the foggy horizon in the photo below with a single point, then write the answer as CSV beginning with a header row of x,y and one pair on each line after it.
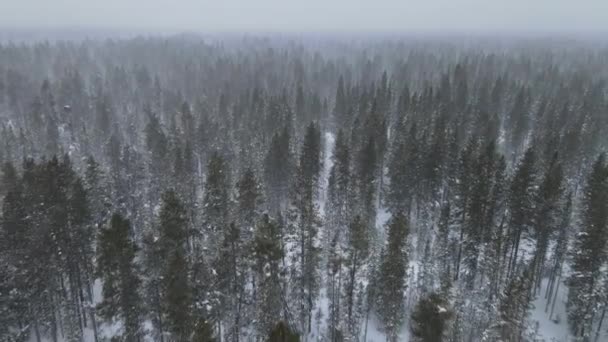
x,y
273,16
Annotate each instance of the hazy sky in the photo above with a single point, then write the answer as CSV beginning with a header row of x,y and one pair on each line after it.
x,y
312,15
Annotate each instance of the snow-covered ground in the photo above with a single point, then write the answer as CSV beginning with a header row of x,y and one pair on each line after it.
x,y
554,328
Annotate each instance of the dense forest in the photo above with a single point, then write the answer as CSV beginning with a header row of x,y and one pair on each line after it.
x,y
192,188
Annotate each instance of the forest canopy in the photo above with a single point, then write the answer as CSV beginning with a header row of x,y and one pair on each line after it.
x,y
224,188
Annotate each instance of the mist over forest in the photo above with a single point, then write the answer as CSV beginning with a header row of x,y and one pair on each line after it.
x,y
177,185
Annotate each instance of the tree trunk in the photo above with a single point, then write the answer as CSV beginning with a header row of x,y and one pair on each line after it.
x,y
36,329
599,326
555,297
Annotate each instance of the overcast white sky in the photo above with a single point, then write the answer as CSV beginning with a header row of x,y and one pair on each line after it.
x,y
312,15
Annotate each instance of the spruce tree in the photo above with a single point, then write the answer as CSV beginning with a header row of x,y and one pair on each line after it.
x,y
520,205
403,168
366,178
513,310
215,201
303,228
546,219
339,189
268,254
589,252
203,332
118,271
282,333
232,271
15,236
430,319
166,271
390,303
249,201
357,254
277,170
178,296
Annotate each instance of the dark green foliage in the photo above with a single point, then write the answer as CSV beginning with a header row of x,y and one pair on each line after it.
x,y
513,309
403,168
167,283
277,169
215,202
466,150
282,333
248,201
47,241
178,296
366,178
430,319
203,332
268,253
303,226
392,276
589,251
116,267
520,204
358,250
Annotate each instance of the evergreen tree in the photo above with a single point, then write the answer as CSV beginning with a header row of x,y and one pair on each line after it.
x,y
167,284
546,206
248,200
116,266
461,184
513,310
430,319
215,202
393,267
282,333
268,254
96,186
339,189
303,227
203,332
178,296
589,252
15,234
403,169
520,205
357,254
366,178
231,271
442,253
340,108
277,170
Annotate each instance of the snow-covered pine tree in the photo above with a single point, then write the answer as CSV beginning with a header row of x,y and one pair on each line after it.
x,y
589,252
429,321
390,296
277,170
269,298
282,333
520,204
121,283
248,203
166,280
338,191
366,177
357,254
513,310
232,269
546,219
215,202
303,224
